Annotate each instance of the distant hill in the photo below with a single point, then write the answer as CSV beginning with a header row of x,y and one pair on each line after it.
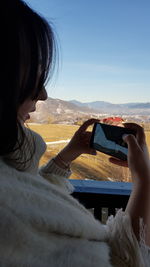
x,y
127,108
137,105
59,111
95,105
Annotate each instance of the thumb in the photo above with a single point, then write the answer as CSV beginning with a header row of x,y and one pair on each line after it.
x,y
131,142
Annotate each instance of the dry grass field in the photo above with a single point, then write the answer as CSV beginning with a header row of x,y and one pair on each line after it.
x,y
86,166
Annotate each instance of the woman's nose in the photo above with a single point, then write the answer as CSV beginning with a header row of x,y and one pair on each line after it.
x,y
43,94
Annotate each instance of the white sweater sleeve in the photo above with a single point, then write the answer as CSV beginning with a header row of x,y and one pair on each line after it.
x,y
125,249
49,171
56,175
145,250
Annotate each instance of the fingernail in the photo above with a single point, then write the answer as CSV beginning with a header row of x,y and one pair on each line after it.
x,y
124,136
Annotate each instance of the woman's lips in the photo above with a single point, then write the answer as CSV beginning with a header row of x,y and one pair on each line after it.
x,y
27,117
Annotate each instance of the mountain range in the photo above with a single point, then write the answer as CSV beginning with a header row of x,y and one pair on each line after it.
x,y
99,105
58,110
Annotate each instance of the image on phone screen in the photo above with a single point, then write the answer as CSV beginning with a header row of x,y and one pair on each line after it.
x,y
108,139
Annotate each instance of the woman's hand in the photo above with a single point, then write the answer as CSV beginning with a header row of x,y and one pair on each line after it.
x,y
79,144
139,163
138,155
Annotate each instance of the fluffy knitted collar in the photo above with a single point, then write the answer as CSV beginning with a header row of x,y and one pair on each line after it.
x,y
27,157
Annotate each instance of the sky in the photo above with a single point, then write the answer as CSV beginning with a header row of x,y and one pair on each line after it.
x,y
104,49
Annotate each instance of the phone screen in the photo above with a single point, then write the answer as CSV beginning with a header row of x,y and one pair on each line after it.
x,y
108,139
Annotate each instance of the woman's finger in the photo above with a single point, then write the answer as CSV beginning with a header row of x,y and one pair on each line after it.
x,y
132,143
86,124
140,135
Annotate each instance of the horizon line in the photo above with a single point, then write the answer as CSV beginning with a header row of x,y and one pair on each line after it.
x,y
145,102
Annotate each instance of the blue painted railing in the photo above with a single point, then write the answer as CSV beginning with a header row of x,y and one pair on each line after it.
x,y
102,197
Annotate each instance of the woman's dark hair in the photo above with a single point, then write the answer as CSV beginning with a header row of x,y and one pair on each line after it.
x,y
27,59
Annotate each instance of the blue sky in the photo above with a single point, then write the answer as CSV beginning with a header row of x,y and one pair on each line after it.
x,y
104,49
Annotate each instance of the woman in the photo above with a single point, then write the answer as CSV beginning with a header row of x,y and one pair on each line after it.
x,y
40,223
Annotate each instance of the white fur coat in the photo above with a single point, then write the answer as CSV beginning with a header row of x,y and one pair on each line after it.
x,y
41,225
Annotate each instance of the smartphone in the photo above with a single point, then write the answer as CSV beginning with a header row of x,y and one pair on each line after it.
x,y
108,139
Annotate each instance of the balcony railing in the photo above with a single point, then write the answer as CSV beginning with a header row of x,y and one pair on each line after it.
x,y
102,197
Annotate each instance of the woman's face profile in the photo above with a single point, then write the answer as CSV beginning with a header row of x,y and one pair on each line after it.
x,y
29,105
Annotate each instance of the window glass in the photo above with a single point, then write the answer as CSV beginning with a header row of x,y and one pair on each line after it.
x,y
104,72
